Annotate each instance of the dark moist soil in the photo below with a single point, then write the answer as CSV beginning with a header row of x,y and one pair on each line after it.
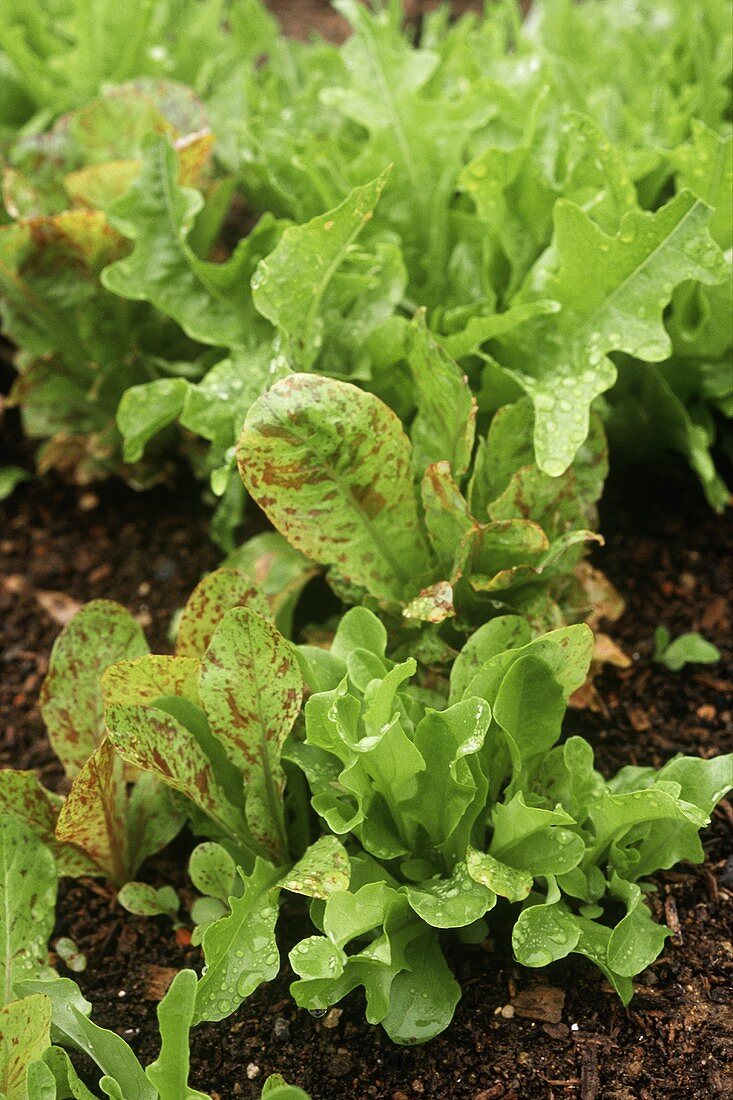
x,y
517,1034
304,17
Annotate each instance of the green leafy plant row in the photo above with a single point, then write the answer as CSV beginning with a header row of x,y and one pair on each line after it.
x,y
402,808
562,226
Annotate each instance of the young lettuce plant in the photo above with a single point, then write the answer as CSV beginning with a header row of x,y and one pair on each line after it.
x,y
446,805
115,816
111,820
688,648
79,346
210,723
336,473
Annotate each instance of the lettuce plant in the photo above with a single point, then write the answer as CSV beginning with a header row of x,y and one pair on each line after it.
x,y
111,820
432,801
337,474
81,347
467,800
114,815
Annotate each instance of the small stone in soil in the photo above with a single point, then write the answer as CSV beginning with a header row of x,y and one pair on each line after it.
x,y
281,1029
341,1064
540,1002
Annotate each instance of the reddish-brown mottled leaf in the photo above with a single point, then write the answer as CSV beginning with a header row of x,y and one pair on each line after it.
x,y
156,743
251,688
216,594
71,702
331,466
22,795
447,516
25,1035
94,814
145,679
279,571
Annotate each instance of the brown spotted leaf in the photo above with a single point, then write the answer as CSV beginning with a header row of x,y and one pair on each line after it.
x,y
331,466
514,538
35,248
280,572
155,742
324,869
251,689
216,594
495,549
22,796
25,1035
71,701
145,679
94,815
433,605
447,516
27,904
